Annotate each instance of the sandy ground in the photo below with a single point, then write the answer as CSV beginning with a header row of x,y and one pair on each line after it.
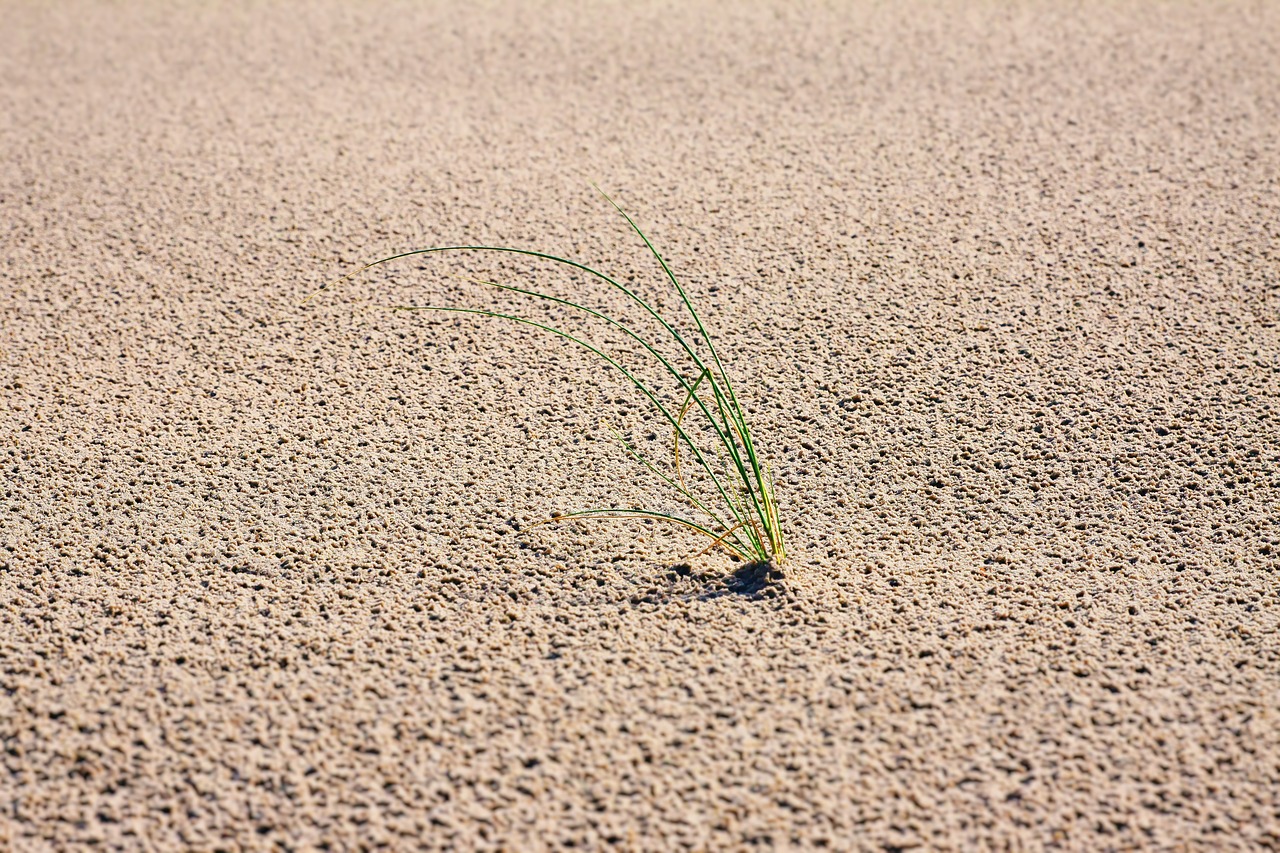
x,y
1000,283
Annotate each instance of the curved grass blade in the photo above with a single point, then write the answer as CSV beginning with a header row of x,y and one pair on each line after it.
x,y
691,389
675,438
679,487
624,514
719,541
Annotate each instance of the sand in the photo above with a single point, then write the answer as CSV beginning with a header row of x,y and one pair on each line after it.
x,y
1000,285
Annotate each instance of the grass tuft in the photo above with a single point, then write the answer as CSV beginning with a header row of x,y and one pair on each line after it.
x,y
731,496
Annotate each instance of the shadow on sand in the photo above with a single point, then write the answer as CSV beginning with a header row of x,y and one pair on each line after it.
x,y
750,580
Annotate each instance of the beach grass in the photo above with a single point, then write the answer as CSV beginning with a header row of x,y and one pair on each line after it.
x,y
729,495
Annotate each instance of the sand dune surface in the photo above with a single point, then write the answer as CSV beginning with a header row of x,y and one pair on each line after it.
x,y
999,284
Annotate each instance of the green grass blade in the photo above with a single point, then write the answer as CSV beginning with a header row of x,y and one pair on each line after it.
x,y
689,496
618,513
684,296
679,377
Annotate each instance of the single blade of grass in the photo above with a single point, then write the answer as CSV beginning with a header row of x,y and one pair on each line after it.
x,y
623,328
642,514
719,541
675,438
679,487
